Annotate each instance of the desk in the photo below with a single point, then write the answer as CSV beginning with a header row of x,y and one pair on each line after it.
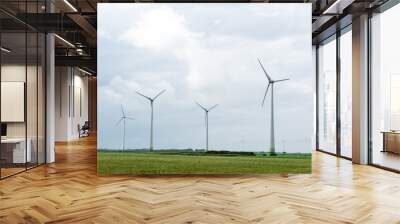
x,y
13,150
391,142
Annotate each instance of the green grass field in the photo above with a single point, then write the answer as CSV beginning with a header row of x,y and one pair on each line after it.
x,y
139,163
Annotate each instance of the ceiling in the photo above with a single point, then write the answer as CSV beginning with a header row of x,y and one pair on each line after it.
x,y
75,21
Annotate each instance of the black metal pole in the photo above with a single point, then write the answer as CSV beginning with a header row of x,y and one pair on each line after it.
x,y
317,97
1,163
26,87
338,92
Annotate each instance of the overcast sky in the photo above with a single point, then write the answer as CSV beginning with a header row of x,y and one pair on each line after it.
x,y
206,53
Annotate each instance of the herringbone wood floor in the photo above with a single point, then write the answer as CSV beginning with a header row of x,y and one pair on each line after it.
x,y
70,191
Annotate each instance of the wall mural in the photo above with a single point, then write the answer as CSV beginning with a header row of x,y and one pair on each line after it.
x,y
205,89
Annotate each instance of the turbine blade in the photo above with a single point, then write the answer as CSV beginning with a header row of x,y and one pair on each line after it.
x,y
201,106
143,95
265,95
213,107
122,110
281,80
265,72
130,118
119,121
159,94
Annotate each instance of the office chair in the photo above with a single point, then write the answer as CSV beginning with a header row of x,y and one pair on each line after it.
x,y
84,130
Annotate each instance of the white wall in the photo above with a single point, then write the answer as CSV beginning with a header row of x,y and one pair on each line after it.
x,y
62,82
80,110
70,84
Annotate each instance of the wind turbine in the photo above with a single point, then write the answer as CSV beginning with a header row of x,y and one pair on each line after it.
x,y
206,120
151,122
123,119
271,83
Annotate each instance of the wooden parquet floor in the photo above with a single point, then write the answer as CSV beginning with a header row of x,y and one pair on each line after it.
x,y
69,191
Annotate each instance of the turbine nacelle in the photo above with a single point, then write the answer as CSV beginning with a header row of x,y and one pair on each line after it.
x,y
205,109
123,117
149,98
279,80
270,81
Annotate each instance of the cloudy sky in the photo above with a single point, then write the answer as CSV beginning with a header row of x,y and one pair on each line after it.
x,y
205,53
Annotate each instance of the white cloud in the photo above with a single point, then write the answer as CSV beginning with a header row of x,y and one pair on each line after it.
x,y
162,29
103,34
159,29
217,21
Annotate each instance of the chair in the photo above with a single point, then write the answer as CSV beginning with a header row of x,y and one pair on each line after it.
x,y
84,130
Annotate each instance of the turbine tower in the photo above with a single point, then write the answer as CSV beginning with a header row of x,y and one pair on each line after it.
x,y
206,120
151,121
271,83
123,119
